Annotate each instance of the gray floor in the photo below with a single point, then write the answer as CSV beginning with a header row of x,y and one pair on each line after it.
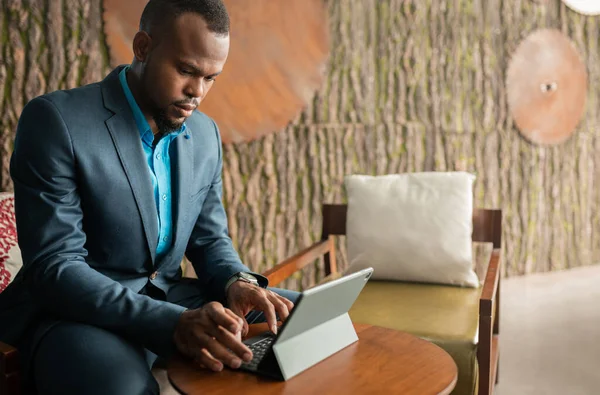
x,y
550,333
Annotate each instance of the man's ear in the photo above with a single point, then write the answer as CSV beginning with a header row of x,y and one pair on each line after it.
x,y
142,43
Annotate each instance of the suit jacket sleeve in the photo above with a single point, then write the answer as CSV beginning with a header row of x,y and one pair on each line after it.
x,y
210,248
49,224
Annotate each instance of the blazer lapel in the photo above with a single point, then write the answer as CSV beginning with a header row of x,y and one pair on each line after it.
x,y
182,163
125,136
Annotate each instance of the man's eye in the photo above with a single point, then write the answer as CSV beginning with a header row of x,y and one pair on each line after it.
x,y
210,78
185,72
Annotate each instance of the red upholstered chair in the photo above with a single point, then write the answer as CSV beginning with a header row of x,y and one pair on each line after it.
x,y
10,263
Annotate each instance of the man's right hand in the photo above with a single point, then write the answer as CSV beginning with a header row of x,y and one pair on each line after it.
x,y
208,334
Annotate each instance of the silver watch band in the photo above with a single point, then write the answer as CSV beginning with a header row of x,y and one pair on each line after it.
x,y
237,277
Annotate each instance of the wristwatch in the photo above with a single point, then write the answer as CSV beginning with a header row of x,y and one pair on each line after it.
x,y
242,276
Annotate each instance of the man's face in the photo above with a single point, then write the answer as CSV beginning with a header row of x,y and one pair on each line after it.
x,y
180,70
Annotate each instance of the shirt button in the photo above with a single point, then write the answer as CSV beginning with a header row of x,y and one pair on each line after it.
x,y
164,197
165,238
153,275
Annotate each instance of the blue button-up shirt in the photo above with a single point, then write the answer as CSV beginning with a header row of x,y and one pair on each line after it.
x,y
159,164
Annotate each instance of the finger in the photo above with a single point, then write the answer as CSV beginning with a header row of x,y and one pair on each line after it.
x,y
219,348
288,303
232,343
244,328
280,307
219,316
205,359
239,318
266,306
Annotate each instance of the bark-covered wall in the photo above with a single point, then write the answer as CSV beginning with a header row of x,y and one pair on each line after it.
x,y
412,85
420,85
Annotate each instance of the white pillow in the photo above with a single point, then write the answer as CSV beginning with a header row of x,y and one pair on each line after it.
x,y
10,254
412,227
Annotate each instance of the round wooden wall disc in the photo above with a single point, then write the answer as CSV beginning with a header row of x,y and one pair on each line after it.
x,y
546,87
277,59
586,7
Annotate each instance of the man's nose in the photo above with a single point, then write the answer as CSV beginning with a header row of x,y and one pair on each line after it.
x,y
196,89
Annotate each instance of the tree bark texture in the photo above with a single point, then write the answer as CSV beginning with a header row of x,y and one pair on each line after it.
x,y
411,86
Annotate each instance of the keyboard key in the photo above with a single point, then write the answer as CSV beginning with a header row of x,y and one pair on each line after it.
x,y
259,350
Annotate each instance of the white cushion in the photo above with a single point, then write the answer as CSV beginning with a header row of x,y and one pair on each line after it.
x,y
412,227
10,254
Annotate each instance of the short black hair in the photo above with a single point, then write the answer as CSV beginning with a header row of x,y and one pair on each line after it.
x,y
213,12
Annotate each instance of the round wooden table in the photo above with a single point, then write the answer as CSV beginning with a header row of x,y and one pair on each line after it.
x,y
381,361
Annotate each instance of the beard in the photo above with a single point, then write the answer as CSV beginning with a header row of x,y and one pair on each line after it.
x,y
163,123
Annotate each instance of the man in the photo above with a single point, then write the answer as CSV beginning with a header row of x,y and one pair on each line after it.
x,y
114,183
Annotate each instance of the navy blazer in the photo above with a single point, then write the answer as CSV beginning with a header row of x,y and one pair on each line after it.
x,y
87,223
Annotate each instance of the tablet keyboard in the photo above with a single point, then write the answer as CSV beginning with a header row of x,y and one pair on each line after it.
x,y
259,350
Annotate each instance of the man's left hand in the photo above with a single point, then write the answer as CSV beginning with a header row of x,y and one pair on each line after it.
x,y
243,297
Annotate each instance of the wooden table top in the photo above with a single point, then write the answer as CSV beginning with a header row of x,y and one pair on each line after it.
x,y
381,361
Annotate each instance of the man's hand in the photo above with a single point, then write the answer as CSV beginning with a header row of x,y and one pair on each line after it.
x,y
243,297
208,334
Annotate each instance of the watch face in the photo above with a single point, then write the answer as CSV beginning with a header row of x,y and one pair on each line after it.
x,y
248,277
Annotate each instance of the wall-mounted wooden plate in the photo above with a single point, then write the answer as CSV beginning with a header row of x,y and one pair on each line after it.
x,y
546,87
277,59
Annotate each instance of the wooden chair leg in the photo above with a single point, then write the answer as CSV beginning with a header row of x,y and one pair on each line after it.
x,y
10,379
484,355
497,371
495,356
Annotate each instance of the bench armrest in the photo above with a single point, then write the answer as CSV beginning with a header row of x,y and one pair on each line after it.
x,y
489,328
287,268
488,298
